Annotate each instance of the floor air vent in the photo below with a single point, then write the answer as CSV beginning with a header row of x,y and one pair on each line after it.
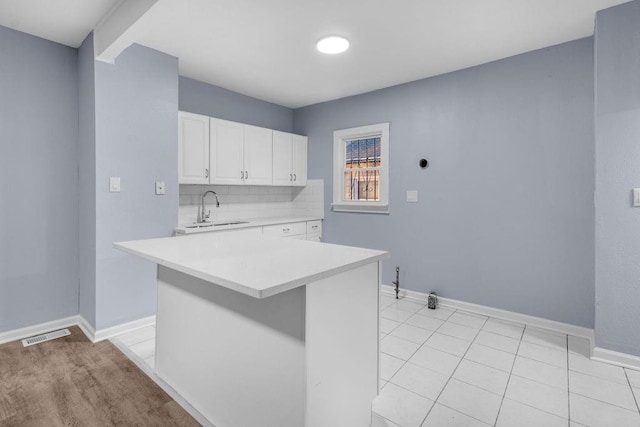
x,y
45,337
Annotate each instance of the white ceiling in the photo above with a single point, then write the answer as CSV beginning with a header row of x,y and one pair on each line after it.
x,y
266,49
63,21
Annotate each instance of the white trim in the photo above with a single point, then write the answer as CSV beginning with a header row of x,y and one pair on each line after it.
x,y
615,358
564,328
103,334
77,320
597,353
41,328
339,137
384,210
86,328
149,371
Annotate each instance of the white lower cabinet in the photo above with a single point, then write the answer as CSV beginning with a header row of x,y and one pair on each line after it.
x,y
309,230
244,232
314,230
285,230
304,230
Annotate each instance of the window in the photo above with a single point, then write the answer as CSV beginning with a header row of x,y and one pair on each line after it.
x,y
361,169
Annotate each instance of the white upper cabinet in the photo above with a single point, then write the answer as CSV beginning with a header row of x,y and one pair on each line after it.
x,y
289,159
299,161
193,148
227,152
216,151
258,150
240,154
282,152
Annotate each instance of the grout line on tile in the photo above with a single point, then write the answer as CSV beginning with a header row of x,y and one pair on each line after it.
x,y
454,371
541,410
407,361
510,374
602,401
536,381
633,393
466,415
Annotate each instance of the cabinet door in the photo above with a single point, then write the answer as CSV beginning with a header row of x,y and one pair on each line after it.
x,y
286,230
258,149
282,156
299,161
226,158
193,148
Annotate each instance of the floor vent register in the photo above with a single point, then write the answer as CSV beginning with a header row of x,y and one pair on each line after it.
x,y
45,337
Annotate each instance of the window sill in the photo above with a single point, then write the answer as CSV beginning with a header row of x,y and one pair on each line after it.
x,y
379,209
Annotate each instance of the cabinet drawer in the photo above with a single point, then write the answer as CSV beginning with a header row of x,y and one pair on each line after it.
x,y
314,237
284,230
314,227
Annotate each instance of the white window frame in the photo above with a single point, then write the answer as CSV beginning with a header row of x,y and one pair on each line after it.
x,y
340,137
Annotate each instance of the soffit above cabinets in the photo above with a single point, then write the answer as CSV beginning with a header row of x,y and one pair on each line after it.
x,y
266,49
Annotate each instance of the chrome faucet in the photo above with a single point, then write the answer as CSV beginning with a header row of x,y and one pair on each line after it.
x,y
205,217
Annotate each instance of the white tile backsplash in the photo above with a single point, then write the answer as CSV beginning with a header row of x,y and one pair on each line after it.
x,y
309,200
242,202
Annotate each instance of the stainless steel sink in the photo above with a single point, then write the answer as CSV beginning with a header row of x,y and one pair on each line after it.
x,y
199,226
215,224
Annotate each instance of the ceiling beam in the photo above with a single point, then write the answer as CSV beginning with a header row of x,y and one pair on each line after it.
x,y
113,34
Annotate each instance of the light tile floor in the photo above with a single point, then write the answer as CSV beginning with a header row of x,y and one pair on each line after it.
x,y
142,342
447,367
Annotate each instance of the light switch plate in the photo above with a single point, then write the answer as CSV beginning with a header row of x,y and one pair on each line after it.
x,y
159,188
114,184
636,197
412,196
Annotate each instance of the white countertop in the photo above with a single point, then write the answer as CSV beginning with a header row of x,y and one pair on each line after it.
x,y
258,267
251,222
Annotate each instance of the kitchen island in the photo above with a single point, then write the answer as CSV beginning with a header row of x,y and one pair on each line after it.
x,y
267,331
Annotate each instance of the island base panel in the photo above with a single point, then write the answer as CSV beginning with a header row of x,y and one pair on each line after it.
x,y
238,360
342,348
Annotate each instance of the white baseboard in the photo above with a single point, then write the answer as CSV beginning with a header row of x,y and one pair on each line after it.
x,y
149,371
539,322
106,333
564,328
77,320
597,353
29,331
615,358
86,328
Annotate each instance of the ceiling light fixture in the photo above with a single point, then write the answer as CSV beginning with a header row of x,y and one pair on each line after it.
x,y
332,44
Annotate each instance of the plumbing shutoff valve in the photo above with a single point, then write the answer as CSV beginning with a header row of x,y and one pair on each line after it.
x,y
432,300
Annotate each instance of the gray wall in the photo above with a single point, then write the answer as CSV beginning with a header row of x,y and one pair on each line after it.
x,y
203,98
87,181
38,180
505,213
617,142
136,108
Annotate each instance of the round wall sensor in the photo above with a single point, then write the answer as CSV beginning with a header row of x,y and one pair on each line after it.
x,y
424,163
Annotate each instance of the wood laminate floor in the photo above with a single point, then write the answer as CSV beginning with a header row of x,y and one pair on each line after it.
x,y
72,382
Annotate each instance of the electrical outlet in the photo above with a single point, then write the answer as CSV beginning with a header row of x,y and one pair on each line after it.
x,y
159,188
114,184
636,197
412,196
